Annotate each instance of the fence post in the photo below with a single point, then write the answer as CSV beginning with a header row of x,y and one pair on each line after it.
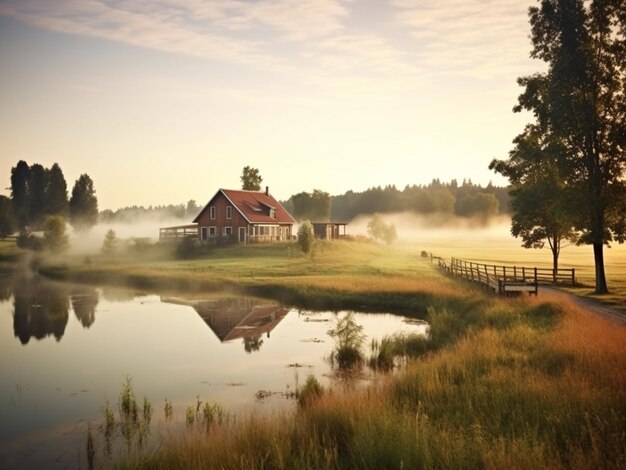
x,y
515,273
523,274
573,277
536,281
504,273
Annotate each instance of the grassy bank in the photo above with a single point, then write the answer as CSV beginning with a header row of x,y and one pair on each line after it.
x,y
505,384
341,275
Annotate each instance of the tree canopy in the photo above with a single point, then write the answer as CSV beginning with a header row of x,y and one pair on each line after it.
x,y
83,204
251,179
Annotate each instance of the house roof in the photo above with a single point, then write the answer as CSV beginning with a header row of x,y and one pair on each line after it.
x,y
251,205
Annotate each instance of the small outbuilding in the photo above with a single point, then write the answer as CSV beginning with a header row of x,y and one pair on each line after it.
x,y
329,230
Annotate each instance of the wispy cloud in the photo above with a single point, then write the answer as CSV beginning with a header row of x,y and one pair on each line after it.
x,y
483,38
313,41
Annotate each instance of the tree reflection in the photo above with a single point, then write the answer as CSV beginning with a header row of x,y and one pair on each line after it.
x,y
252,343
84,303
41,309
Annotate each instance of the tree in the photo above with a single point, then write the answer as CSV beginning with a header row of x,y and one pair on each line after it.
x,y
306,237
579,102
56,192
55,238
38,183
541,211
251,179
379,230
7,219
83,204
109,245
192,208
20,192
389,235
311,206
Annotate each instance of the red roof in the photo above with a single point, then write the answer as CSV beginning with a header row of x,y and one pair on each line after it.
x,y
254,206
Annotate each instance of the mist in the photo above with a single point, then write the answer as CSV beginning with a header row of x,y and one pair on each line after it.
x,y
90,242
412,227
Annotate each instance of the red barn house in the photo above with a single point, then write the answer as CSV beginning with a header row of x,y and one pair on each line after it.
x,y
249,216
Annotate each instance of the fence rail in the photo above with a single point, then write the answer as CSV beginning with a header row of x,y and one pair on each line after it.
x,y
508,279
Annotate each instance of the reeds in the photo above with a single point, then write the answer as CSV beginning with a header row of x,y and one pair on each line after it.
x,y
500,384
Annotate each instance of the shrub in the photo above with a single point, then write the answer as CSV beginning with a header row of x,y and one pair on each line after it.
x,y
311,390
55,238
306,237
109,246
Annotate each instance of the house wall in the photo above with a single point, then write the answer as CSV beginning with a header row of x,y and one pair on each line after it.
x,y
221,222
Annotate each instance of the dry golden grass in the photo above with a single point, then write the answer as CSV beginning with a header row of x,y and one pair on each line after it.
x,y
511,383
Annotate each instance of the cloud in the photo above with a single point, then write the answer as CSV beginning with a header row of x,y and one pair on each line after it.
x,y
482,38
314,42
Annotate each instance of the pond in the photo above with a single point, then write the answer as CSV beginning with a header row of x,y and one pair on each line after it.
x,y
67,349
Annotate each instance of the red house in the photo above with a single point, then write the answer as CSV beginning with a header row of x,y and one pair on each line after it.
x,y
250,216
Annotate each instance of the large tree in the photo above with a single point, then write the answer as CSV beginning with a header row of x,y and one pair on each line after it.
x,y
56,192
83,204
251,179
579,102
38,184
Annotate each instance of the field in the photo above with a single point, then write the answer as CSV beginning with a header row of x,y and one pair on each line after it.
x,y
503,383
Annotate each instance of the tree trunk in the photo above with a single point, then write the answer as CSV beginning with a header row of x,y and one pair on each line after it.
x,y
598,256
555,264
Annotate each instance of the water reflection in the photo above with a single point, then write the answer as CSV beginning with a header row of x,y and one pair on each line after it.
x,y
41,308
234,318
84,303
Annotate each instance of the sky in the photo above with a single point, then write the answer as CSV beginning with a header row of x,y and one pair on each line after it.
x,y
162,101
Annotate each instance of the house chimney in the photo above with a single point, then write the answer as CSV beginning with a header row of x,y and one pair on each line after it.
x,y
267,190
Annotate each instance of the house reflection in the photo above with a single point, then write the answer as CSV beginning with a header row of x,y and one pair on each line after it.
x,y
234,318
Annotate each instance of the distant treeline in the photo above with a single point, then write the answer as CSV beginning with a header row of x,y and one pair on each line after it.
x,y
465,200
137,213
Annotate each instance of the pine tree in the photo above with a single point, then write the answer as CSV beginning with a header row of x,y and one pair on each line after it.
x,y
83,204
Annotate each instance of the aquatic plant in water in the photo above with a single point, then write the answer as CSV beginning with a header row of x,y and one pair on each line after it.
x,y
349,340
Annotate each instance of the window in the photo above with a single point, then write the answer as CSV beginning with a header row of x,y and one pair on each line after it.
x,y
212,231
251,230
203,233
229,212
212,212
273,213
228,231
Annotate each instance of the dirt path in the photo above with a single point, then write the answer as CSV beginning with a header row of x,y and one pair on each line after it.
x,y
596,308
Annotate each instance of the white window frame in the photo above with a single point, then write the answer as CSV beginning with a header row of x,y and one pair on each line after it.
x,y
228,229
204,233
229,212
212,212
212,231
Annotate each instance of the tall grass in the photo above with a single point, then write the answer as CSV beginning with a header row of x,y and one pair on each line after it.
x,y
501,384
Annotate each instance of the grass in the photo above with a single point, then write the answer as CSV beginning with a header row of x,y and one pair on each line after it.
x,y
502,383
507,384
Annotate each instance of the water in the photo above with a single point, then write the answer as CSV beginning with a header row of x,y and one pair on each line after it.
x,y
66,349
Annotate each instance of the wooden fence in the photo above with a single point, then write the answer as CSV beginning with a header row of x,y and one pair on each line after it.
x,y
508,279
